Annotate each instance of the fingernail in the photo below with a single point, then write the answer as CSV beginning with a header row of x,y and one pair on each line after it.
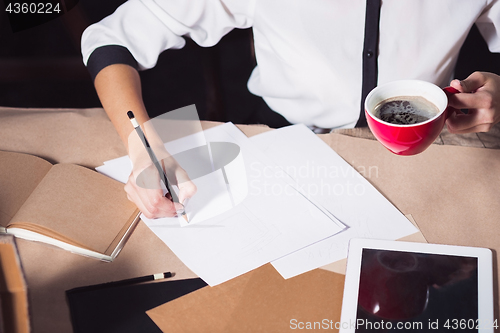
x,y
179,208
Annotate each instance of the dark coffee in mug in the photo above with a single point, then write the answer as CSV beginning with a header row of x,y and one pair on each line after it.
x,y
405,110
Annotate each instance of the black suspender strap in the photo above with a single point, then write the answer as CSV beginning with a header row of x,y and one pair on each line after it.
x,y
370,53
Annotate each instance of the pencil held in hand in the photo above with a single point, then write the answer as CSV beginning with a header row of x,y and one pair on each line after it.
x,y
161,171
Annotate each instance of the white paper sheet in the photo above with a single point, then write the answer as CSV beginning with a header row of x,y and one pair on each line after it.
x,y
273,220
119,168
338,187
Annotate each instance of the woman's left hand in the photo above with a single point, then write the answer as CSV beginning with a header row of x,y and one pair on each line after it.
x,y
480,94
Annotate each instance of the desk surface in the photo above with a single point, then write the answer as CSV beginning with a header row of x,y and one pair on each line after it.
x,y
87,137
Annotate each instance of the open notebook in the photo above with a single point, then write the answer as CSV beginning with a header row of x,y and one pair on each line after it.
x,y
64,205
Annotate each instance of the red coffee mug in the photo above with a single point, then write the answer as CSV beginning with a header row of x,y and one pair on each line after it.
x,y
408,139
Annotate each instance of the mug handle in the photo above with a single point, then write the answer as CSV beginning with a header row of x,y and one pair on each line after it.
x,y
450,91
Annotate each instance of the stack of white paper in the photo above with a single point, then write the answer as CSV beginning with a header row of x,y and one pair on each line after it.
x,y
274,219
339,188
291,191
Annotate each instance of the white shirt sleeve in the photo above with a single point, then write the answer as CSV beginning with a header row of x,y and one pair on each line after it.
x,y
148,27
488,24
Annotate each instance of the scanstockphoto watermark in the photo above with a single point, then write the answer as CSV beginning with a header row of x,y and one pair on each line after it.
x,y
328,324
313,170
310,178
27,14
260,187
426,326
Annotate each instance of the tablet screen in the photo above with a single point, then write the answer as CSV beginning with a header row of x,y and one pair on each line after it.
x,y
416,287
416,291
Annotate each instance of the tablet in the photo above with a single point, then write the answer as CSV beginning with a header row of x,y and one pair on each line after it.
x,y
393,286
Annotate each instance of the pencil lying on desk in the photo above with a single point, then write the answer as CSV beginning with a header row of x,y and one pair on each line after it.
x,y
127,282
152,155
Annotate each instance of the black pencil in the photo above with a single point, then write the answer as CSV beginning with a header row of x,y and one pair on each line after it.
x,y
152,155
126,282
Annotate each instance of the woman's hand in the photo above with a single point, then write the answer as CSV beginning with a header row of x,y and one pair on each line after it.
x,y
480,94
119,90
143,186
150,199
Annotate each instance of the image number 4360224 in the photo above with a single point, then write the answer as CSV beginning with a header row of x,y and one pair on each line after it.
x,y
25,14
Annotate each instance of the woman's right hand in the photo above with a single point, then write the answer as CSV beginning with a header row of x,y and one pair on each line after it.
x,y
151,201
119,90
144,184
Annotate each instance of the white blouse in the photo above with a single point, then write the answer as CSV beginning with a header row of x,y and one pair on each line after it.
x,y
309,52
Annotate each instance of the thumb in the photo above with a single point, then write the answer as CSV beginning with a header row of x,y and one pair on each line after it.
x,y
179,208
472,83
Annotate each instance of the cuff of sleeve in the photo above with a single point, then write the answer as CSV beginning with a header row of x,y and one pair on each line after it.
x,y
108,55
